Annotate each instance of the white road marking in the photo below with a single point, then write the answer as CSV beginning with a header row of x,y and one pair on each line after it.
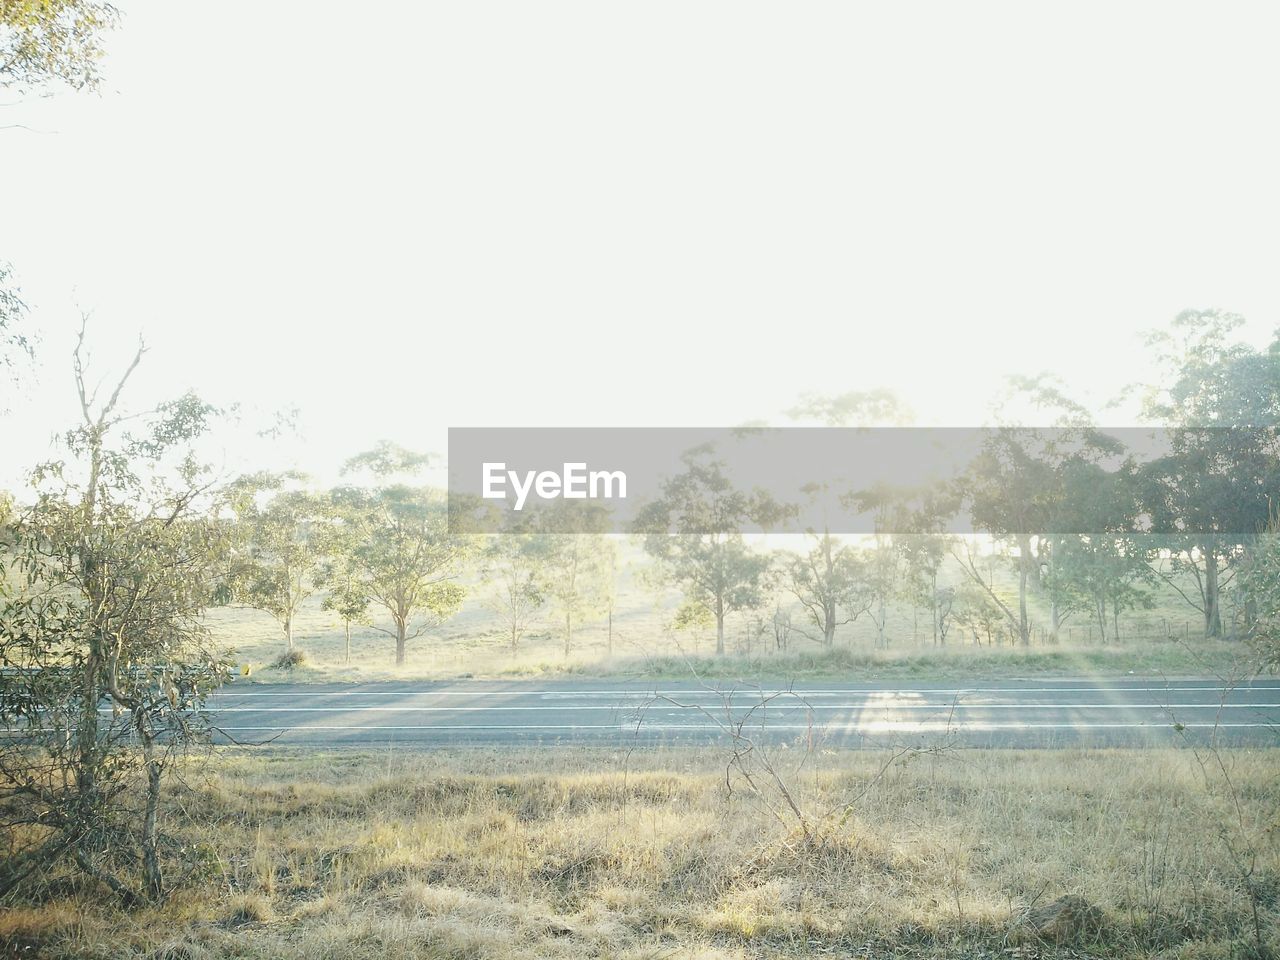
x,y
958,727
740,691
884,707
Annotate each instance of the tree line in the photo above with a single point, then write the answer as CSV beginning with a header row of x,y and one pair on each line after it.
x,y
389,548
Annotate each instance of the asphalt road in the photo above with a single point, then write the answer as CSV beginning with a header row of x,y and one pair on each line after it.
x,y
1016,713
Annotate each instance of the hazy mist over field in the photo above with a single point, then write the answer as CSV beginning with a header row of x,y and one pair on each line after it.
x,y
516,226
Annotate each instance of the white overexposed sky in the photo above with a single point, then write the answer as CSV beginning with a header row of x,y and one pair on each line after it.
x,y
407,216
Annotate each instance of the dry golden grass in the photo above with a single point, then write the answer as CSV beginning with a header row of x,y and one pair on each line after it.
x,y
1162,641
559,853
469,646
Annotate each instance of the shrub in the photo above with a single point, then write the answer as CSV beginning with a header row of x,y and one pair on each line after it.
x,y
289,660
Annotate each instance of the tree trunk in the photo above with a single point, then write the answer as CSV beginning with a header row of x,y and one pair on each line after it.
x,y
1212,598
1029,561
933,607
288,631
152,879
347,624
568,632
87,746
1024,634
719,627
401,640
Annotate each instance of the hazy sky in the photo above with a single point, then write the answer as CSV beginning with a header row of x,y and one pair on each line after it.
x,y
664,213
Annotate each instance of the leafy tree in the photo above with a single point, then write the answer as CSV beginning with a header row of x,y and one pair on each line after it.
x,y
1111,573
283,546
408,557
1005,484
347,596
106,661
883,571
976,611
881,568
340,574
1072,444
577,564
1222,400
1261,581
921,520
693,532
831,584
877,572
972,561
47,41
1105,569
513,566
828,581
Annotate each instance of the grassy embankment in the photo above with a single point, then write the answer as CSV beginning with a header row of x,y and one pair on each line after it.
x,y
1153,646
534,854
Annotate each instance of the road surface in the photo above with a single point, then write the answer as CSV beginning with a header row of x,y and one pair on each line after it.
x,y
1016,713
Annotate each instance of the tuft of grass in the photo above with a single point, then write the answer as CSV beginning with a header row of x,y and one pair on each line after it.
x,y
249,908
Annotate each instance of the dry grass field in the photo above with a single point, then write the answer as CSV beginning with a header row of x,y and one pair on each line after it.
x,y
1156,644
552,853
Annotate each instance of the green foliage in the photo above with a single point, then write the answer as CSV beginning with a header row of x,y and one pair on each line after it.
x,y
976,612
1218,482
1260,577
404,554
48,41
692,532
853,409
1106,570
920,520
514,568
832,584
15,345
577,563
387,460
339,572
103,583
692,618
282,542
